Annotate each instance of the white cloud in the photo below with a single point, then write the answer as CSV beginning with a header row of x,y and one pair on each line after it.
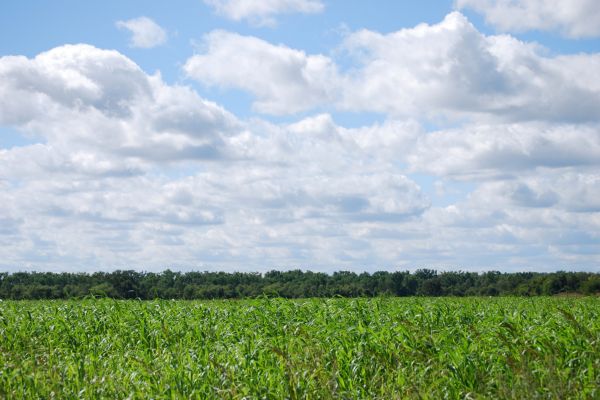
x,y
489,151
528,223
283,80
263,12
130,168
85,100
573,18
447,71
450,69
145,33
131,171
298,194
577,192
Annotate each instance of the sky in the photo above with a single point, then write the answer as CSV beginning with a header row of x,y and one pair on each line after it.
x,y
244,135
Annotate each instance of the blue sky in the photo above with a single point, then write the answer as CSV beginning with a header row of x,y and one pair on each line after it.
x,y
314,134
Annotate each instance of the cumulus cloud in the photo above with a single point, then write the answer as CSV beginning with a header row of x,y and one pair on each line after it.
x,y
531,201
297,193
84,100
444,71
452,69
572,18
127,170
555,193
531,222
284,80
145,33
576,192
263,12
488,151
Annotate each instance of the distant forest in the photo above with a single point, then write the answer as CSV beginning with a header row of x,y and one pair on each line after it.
x,y
290,284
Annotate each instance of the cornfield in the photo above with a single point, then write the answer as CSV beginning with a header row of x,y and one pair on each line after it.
x,y
381,348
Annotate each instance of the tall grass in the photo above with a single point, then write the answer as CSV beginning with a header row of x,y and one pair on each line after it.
x,y
384,348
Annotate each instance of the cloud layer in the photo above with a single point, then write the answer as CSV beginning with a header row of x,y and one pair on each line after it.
x,y
487,151
448,70
572,18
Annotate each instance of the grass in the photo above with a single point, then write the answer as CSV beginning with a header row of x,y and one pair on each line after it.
x,y
384,348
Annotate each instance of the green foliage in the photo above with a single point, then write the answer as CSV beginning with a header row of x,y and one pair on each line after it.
x,y
383,348
592,285
103,289
290,284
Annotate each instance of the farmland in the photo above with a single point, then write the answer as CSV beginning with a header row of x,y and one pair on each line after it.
x,y
386,348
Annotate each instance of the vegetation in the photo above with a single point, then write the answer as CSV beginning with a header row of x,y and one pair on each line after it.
x,y
290,284
382,348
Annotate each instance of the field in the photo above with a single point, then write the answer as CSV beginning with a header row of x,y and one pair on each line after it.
x,y
384,348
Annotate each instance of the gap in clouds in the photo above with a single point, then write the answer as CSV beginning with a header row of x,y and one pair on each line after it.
x,y
10,137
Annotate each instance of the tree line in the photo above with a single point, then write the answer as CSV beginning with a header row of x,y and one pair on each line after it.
x,y
128,284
